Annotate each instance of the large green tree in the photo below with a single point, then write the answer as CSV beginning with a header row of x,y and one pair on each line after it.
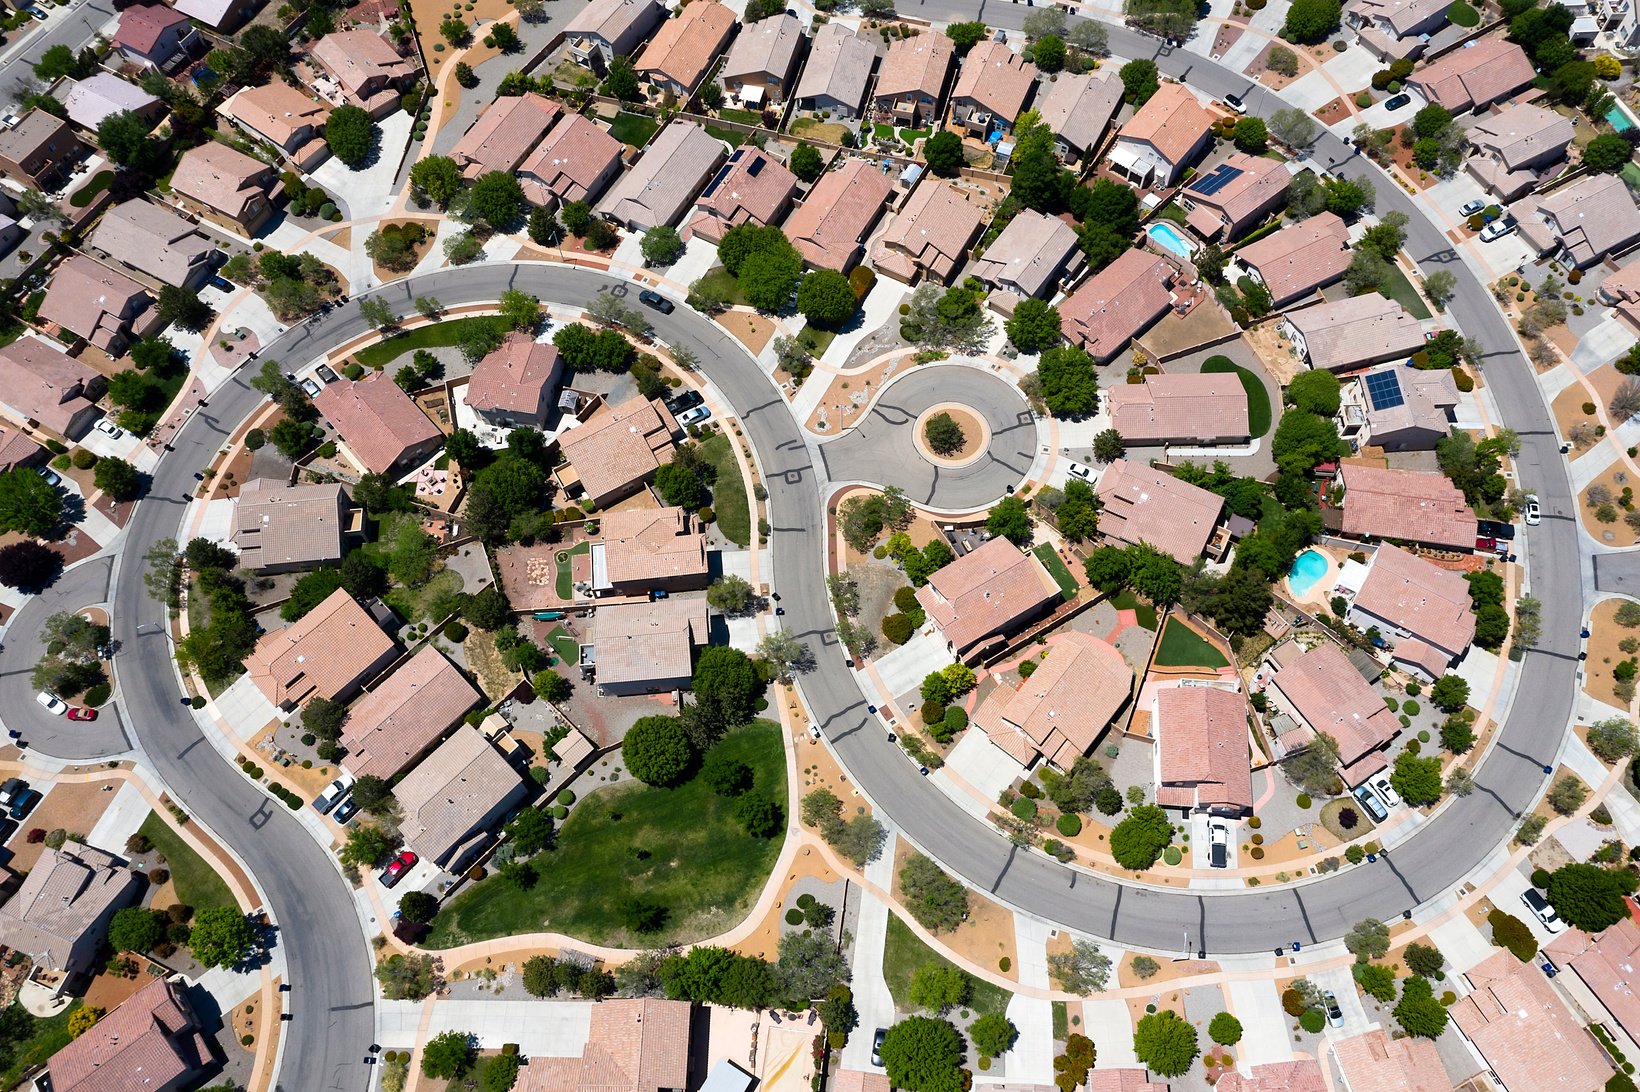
x,y
28,503
497,197
657,751
1589,897
923,1054
221,937
351,134
1165,1043
1138,840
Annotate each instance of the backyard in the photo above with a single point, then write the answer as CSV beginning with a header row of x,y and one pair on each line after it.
x,y
1051,561
1182,646
632,129
196,882
734,516
1126,599
1258,399
47,1038
904,954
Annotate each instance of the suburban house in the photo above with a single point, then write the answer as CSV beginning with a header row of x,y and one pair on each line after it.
x,y
1513,148
638,1044
983,596
329,652
1194,409
1515,1019
92,302
1302,1075
1602,964
931,235
1474,77
1581,223
1298,259
152,1041
360,68
612,455
286,117
504,134
1143,504
1236,196
223,15
575,161
675,166
993,88
1398,409
1392,29
1119,303
394,724
1164,137
751,188
156,242
911,81
830,226
1422,608
1354,332
837,73
1621,292
760,64
1405,505
455,797
1202,756
1060,711
606,29
646,648
1035,254
103,95
1324,692
1079,110
649,549
16,450
45,388
1374,1060
1123,1080
281,528
39,150
59,915
513,385
377,423
151,35
226,187
678,57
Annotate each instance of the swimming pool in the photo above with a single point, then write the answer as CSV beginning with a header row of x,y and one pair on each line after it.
x,y
1171,240
1308,567
1619,120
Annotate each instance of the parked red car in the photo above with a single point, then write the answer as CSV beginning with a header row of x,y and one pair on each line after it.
x,y
398,867
76,713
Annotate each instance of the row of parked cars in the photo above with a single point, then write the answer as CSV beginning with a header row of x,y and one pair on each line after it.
x,y
337,802
17,798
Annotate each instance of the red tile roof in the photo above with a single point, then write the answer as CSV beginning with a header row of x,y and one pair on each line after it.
x,y
619,448
1303,1075
1411,505
1477,75
1171,121
1330,696
1296,260
1606,964
1119,302
1202,734
377,420
647,546
752,188
45,384
1427,601
570,162
639,643
1061,710
633,1045
1525,1032
1143,504
830,226
504,134
995,78
328,652
517,378
687,44
393,724
1180,407
986,592
931,234
151,1042
220,178
1373,1062
453,795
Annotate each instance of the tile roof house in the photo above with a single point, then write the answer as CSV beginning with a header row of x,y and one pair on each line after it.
x,y
1325,692
1604,963
1033,256
1119,303
103,95
1235,196
39,150
285,528
1079,110
287,117
994,86
504,134
1583,222
1300,258
93,302
632,1045
575,161
615,452
931,234
1059,712
1421,607
1407,505
1621,292
646,549
605,29
1122,1080
149,35
645,648
1143,504
226,187
911,80
1165,136
394,724
837,73
1374,1062
151,1041
1202,757
1351,333
16,450
830,226
223,15
675,166
377,422
1398,409
156,242
1392,29
751,188
978,599
1197,409
514,384
761,63
455,797
1474,77
1527,1035
1302,1075
362,68
678,57
329,652
59,915
43,386
1513,148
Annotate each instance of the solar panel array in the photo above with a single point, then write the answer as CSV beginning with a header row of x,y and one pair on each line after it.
x,y
1215,180
1384,388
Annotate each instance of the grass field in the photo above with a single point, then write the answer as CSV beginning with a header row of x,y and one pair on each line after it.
x,y
436,335
734,515
904,952
1398,288
1127,600
50,1035
633,129
732,137
1056,569
1182,646
679,847
1258,399
1460,14
565,581
412,603
744,117
196,882
816,340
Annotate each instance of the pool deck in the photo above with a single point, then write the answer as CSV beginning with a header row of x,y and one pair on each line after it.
x,y
1164,233
1318,591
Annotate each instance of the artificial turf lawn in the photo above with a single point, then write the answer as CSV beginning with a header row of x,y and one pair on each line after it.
x,y
1126,599
1049,557
1182,646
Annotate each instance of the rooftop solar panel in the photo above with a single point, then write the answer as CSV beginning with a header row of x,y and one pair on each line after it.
x,y
1215,180
1384,389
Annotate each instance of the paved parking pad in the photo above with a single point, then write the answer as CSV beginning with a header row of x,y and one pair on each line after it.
x,y
1258,1006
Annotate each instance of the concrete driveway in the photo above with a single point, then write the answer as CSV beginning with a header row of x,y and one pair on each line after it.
x,y
1342,983
1264,1025
871,997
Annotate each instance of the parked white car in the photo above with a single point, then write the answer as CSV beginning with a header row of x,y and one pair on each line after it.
x,y
109,428
53,704
1497,229
1540,908
1386,792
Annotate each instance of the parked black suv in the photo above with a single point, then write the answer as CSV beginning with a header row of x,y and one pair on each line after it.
x,y
688,400
654,299
1491,528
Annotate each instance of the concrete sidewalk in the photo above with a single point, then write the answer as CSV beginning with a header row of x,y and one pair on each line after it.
x,y
871,997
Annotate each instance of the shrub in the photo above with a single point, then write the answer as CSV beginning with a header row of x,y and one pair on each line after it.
x,y
1510,932
1304,800
1069,825
1312,1021
1292,1003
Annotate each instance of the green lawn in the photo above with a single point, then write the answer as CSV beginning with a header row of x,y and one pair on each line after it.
x,y
1056,569
633,129
1061,1020
567,647
816,340
565,585
732,137
734,515
679,847
412,603
1460,14
84,195
1630,173
1173,212
724,284
435,335
1127,600
1258,399
196,882
1398,288
1182,646
904,952
50,1036
744,117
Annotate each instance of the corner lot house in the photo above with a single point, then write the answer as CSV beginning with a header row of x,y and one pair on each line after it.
x,y
456,797
761,63
649,549
994,86
1119,303
606,29
831,225
1424,609
1033,256
1324,692
646,648
155,242
378,423
837,73
576,161
328,653
1406,505
1202,757
93,302
1351,333
101,96
1181,409
1060,711
59,916
1143,504
618,450
1079,110
513,385
152,1041
288,118
911,81
1167,134
282,528
504,134
1517,1021
361,68
675,167
632,1045
1514,147
678,56
393,725
1398,409
42,386
38,151
1374,1060
1235,196
225,187
1583,222
978,599
1474,77
1299,259
931,235
752,188
150,35
1391,29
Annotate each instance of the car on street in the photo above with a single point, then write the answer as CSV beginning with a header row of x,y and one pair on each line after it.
x,y
688,400
9,790
109,428
1235,103
1079,470
49,475
346,810
1540,908
1497,229
1374,806
1533,512
1470,208
24,803
332,795
397,867
877,1047
1386,792
1335,1015
53,704
78,713
693,416
1218,843
650,298
1395,102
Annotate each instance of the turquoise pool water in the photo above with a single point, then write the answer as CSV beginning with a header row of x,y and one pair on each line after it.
x,y
1170,239
1619,120
1308,567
